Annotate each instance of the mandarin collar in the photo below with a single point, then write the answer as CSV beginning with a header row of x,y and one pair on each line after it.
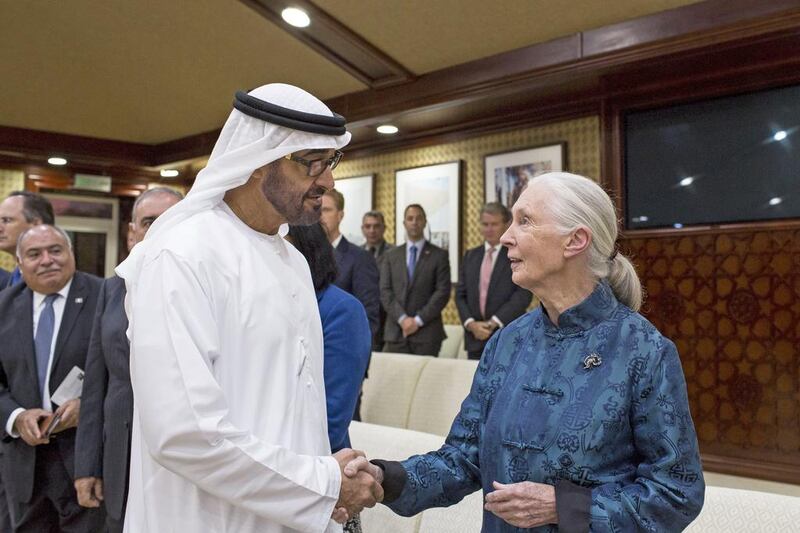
x,y
596,308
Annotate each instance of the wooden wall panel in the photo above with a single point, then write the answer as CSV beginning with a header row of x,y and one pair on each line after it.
x,y
731,303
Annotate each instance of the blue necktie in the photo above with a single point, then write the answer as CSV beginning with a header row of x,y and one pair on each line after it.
x,y
412,261
43,339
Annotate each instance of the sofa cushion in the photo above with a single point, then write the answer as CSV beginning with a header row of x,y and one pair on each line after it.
x,y
443,385
452,345
394,444
390,387
746,510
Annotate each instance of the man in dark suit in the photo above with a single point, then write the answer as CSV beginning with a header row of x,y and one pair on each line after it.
x,y
373,227
486,297
358,272
104,432
415,288
44,334
19,211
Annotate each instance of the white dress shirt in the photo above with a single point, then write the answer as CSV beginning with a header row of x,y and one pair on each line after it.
x,y
58,310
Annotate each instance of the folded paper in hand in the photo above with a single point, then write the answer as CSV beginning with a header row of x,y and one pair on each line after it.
x,y
70,388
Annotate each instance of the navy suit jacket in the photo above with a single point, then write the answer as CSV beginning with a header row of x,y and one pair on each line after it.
x,y
505,300
5,277
358,275
19,385
104,431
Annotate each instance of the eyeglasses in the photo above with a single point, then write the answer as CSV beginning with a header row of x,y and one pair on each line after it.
x,y
317,166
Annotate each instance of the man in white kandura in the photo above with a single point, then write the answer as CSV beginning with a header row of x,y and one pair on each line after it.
x,y
229,428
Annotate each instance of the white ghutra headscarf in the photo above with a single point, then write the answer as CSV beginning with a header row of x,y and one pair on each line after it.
x,y
244,145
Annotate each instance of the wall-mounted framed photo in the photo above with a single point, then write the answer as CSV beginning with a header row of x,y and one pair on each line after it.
x,y
508,173
437,188
359,197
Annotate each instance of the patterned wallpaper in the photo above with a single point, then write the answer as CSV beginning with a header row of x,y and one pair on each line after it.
x,y
583,157
10,180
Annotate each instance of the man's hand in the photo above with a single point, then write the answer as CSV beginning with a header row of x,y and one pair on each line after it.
x,y
524,505
409,326
480,330
69,411
90,491
27,425
359,487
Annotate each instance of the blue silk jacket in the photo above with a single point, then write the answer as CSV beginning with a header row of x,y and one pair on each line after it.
x,y
598,401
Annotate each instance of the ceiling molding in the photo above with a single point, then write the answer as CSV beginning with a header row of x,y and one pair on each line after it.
x,y
675,31
337,43
37,144
530,84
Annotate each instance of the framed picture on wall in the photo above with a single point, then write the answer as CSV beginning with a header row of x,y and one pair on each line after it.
x,y
508,173
359,197
437,188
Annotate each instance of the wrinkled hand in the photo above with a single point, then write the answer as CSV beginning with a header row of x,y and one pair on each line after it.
x,y
480,330
409,326
359,487
90,491
523,505
70,412
27,424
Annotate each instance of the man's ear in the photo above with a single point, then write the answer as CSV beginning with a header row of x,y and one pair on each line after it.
x,y
579,241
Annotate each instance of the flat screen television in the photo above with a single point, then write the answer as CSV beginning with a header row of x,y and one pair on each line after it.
x,y
724,160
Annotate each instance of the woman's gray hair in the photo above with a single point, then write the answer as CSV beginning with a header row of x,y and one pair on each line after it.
x,y
578,201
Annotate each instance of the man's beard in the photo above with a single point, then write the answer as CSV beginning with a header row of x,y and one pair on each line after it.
x,y
288,202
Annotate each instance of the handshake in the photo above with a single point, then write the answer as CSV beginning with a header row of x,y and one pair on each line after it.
x,y
361,484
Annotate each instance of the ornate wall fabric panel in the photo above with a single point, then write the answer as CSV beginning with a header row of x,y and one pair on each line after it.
x,y
731,303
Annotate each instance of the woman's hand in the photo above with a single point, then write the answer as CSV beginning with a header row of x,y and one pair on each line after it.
x,y
523,504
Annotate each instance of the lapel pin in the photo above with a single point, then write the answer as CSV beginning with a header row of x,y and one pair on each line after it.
x,y
78,300
592,360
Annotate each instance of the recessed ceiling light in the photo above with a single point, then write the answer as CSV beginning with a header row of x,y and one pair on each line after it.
x,y
677,225
776,200
779,135
296,17
169,173
685,182
387,129
58,161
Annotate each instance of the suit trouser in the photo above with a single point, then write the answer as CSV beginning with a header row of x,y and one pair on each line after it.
x,y
5,515
416,348
114,526
54,504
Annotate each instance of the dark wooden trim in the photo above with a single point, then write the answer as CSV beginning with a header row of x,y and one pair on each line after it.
x,y
713,229
336,42
462,83
781,472
185,148
75,148
711,21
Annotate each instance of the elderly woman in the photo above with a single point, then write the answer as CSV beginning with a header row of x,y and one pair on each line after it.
x,y
578,417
